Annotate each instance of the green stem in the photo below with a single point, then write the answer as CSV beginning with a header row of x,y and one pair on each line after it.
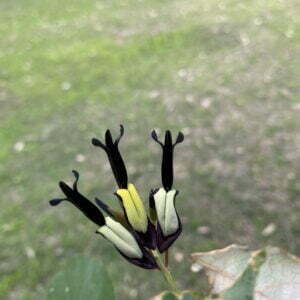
x,y
165,271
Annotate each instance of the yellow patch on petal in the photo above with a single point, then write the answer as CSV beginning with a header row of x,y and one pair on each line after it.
x,y
134,208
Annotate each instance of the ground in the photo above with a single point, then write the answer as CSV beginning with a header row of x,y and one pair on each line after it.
x,y
226,73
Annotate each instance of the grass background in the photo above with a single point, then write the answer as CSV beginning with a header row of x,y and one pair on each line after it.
x,y
226,73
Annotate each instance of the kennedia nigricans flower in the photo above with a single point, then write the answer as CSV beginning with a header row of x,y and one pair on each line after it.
x,y
123,240
163,199
130,200
131,231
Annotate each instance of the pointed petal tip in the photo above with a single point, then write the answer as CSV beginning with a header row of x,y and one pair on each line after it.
x,y
168,138
108,133
108,138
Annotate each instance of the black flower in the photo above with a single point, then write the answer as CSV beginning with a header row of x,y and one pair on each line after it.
x,y
133,206
124,241
169,225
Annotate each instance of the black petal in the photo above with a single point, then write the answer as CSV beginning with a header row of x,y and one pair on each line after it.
x,y
98,143
55,202
120,136
167,162
165,242
114,156
180,138
147,239
87,207
155,138
146,262
167,158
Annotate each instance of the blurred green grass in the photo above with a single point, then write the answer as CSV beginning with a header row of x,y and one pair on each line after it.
x,y
224,72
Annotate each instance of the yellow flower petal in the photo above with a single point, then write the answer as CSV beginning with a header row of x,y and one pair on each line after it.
x,y
134,208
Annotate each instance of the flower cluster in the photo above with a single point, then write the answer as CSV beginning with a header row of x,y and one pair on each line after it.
x,y
133,232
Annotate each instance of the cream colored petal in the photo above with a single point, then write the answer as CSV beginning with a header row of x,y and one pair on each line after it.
x,y
171,220
119,236
160,205
166,213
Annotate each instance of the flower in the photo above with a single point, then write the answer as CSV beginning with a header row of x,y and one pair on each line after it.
x,y
130,200
162,200
124,241
135,236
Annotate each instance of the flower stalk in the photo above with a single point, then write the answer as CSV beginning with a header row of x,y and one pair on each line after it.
x,y
165,272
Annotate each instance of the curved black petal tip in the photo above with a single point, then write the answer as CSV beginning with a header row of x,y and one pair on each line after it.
x,y
155,138
97,143
168,138
180,138
120,136
76,174
77,199
114,156
55,202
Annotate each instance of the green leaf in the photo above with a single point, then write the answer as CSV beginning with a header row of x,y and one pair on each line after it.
x,y
243,288
245,285
83,278
223,266
236,273
189,295
169,296
183,295
279,277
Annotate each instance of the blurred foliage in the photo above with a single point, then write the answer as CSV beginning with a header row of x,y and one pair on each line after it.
x,y
82,278
225,72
